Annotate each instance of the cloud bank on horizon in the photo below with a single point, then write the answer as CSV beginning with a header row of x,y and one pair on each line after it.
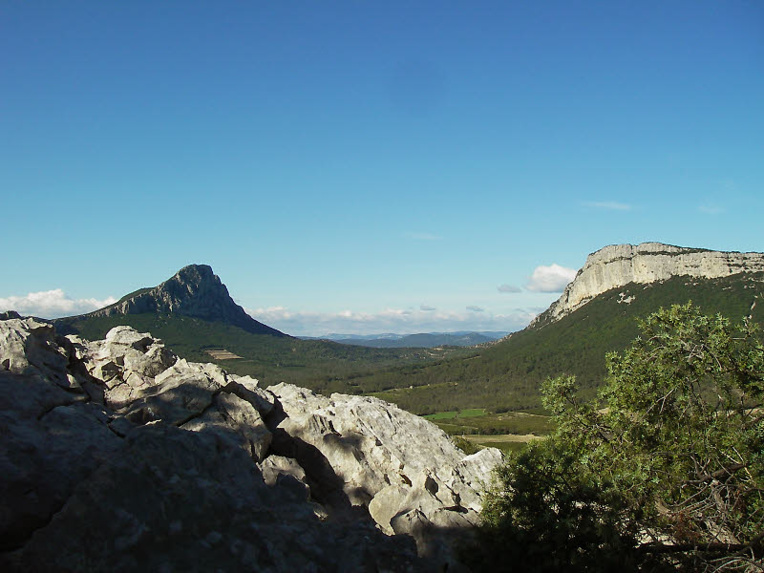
x,y
52,304
553,278
56,303
544,279
402,321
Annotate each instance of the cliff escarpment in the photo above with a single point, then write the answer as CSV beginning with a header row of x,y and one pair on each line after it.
x,y
615,266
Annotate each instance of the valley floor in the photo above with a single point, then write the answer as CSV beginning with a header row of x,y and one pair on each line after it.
x,y
507,431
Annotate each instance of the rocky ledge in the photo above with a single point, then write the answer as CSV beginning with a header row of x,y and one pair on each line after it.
x,y
615,266
118,455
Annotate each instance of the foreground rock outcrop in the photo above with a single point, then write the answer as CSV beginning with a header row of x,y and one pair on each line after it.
x,y
408,474
118,455
615,266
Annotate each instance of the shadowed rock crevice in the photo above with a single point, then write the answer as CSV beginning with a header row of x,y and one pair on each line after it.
x,y
324,485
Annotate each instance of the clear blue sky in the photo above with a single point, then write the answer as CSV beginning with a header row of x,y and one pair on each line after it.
x,y
369,166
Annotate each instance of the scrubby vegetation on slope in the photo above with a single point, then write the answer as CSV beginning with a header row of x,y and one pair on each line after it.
x,y
663,472
509,374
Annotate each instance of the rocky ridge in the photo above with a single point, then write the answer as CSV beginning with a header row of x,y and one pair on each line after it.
x,y
193,291
615,266
118,455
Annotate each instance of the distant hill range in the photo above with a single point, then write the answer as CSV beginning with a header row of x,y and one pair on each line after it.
x,y
194,314
596,313
419,340
194,291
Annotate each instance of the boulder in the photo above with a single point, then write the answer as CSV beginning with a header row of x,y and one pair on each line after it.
x,y
287,473
175,396
173,500
247,388
29,347
51,442
403,469
125,361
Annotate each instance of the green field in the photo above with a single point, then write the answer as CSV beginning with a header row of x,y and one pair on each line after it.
x,y
506,443
508,431
469,422
453,414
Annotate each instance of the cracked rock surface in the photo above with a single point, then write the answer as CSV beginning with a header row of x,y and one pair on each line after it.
x,y
119,456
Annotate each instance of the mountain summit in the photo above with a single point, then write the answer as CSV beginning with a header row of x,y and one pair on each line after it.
x,y
193,291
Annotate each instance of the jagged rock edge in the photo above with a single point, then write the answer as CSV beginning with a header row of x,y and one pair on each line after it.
x,y
220,389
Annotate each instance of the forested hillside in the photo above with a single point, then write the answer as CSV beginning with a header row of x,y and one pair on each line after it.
x,y
508,375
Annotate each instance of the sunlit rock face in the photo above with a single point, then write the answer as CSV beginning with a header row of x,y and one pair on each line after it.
x,y
407,473
118,455
618,265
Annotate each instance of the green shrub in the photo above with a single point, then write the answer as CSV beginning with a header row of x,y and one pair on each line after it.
x,y
665,471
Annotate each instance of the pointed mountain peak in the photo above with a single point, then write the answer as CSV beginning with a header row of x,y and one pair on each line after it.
x,y
195,291
195,274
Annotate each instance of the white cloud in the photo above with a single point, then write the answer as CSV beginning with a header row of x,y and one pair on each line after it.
x,y
424,237
426,308
710,209
472,308
402,321
52,304
509,288
552,278
609,205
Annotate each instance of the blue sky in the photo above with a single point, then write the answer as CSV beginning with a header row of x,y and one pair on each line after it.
x,y
369,166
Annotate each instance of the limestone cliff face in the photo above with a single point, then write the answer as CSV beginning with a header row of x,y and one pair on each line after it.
x,y
194,291
618,265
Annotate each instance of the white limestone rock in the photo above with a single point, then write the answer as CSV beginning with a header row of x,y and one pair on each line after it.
x,y
84,489
244,419
192,451
126,360
286,473
615,266
389,460
274,467
175,396
29,347
247,388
